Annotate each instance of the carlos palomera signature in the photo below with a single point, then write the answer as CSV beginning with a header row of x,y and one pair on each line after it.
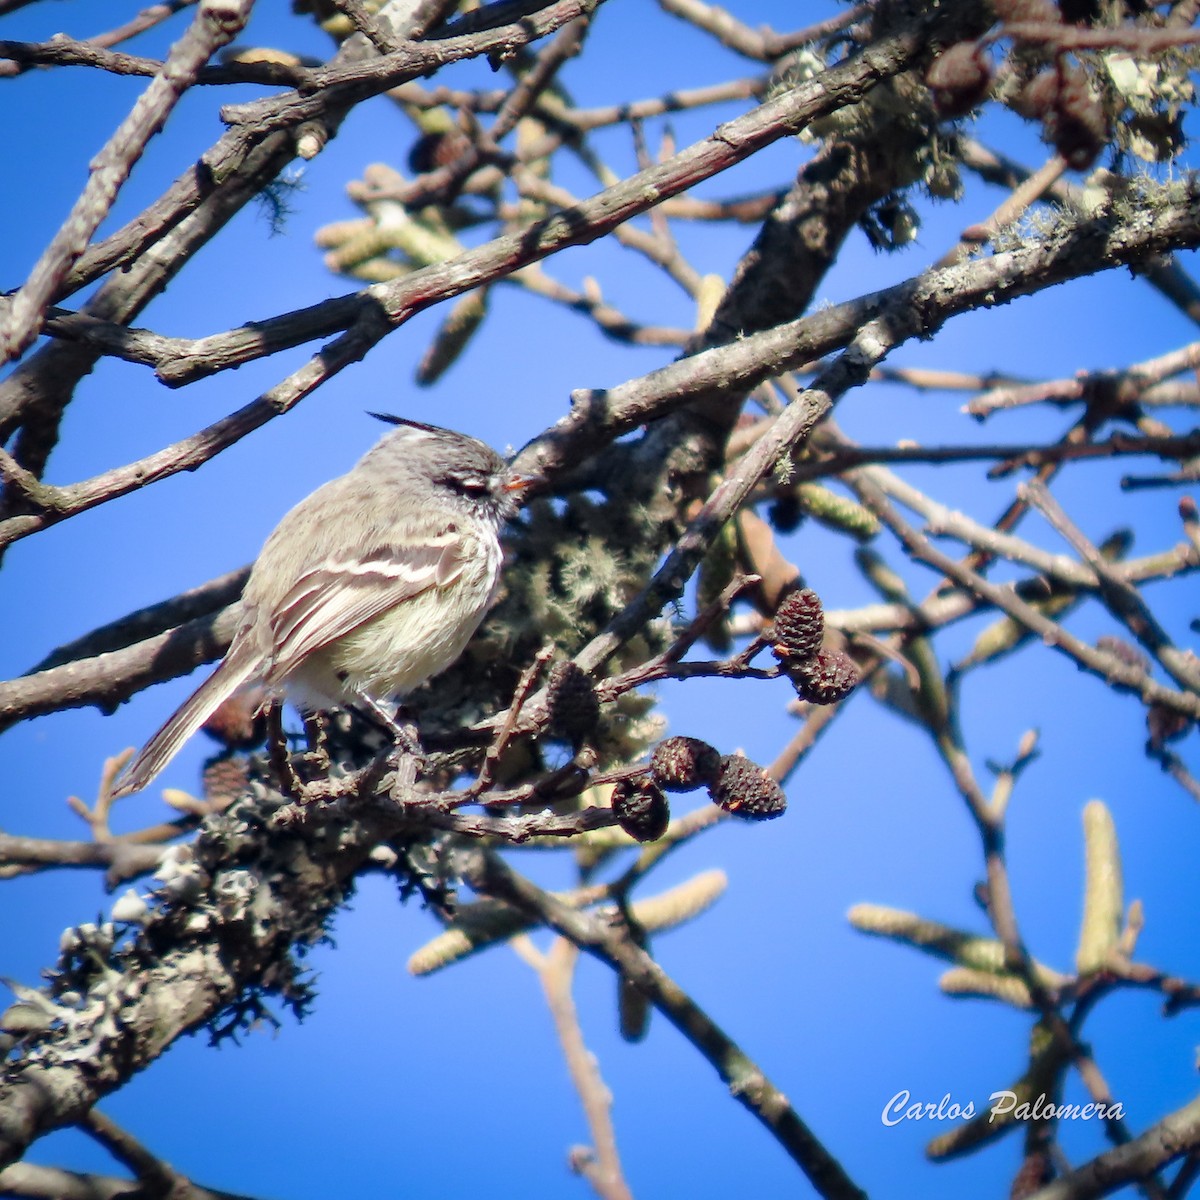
x,y
902,1107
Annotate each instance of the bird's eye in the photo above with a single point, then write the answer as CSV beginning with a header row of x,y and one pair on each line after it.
x,y
467,482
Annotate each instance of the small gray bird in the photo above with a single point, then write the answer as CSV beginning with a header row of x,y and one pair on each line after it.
x,y
367,588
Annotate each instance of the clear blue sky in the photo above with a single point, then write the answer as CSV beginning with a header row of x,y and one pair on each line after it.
x,y
454,1085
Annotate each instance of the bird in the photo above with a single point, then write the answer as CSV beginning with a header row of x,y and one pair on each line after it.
x,y
368,587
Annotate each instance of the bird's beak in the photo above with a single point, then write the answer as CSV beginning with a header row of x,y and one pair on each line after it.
x,y
522,483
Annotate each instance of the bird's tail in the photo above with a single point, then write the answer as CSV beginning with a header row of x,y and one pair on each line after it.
x,y
237,667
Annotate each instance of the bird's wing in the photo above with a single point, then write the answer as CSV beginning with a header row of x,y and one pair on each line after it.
x,y
341,594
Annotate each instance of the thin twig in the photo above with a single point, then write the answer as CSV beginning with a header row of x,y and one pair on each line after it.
x,y
746,1081
1116,673
499,744
215,26
1121,598
600,1165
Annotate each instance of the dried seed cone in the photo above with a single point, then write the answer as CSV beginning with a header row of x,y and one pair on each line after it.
x,y
1035,1172
1026,10
239,723
826,678
633,1010
744,789
1078,126
799,625
433,150
1131,656
224,778
680,764
959,78
571,700
633,1005
1039,95
1165,725
785,513
642,809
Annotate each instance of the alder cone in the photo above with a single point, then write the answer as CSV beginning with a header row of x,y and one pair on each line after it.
x,y
1026,10
1165,725
239,723
826,678
680,764
1039,95
1036,1171
959,79
1078,125
799,625
1131,656
744,789
433,150
642,809
225,778
571,701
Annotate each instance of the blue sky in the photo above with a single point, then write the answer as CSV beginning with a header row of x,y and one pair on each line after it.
x,y
455,1083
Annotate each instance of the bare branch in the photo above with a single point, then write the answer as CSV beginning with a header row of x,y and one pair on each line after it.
x,y
747,1083
217,23
1163,1143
